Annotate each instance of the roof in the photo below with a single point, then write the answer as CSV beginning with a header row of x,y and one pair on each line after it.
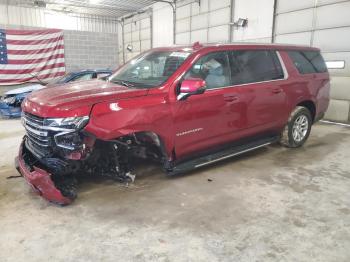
x,y
266,45
239,45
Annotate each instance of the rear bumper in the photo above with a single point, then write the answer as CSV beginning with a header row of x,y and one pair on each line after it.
x,y
319,117
39,179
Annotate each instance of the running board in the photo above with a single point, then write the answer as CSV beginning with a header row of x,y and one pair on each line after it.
x,y
221,155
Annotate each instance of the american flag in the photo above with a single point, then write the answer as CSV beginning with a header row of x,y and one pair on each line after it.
x,y
26,55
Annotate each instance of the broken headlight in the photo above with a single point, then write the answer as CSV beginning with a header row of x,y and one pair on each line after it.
x,y
70,140
73,123
68,136
9,100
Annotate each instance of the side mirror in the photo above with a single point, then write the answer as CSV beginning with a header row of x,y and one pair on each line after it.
x,y
192,86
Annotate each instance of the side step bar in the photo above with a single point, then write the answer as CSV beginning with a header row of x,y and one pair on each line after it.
x,y
221,155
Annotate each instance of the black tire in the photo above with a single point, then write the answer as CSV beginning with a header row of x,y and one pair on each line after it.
x,y
295,134
67,185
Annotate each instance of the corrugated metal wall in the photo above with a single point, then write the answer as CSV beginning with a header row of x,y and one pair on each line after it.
x,y
32,17
324,24
260,20
207,22
137,33
153,28
163,25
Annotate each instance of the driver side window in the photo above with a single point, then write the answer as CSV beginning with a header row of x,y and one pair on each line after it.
x,y
213,68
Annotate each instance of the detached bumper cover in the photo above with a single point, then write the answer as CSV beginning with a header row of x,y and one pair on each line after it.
x,y
40,180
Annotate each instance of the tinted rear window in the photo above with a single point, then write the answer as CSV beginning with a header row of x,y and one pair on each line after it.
x,y
308,62
249,66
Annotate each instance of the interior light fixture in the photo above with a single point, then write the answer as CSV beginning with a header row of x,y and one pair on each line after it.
x,y
40,4
129,48
241,22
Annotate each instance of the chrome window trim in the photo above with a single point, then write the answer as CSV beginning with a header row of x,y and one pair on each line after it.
x,y
284,68
285,74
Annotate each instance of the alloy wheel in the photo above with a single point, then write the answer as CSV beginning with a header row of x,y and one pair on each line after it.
x,y
300,128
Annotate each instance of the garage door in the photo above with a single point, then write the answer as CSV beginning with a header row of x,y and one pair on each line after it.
x,y
137,34
204,21
324,24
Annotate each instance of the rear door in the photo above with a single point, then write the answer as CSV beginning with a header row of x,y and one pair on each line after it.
x,y
260,76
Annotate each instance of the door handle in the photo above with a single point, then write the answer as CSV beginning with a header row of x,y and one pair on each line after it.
x,y
231,98
277,90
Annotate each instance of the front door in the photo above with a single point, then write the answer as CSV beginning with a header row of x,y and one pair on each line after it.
x,y
209,119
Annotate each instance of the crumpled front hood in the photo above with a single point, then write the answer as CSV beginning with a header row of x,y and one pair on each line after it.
x,y
24,89
76,98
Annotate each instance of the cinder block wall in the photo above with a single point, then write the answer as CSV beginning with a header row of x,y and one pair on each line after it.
x,y
90,50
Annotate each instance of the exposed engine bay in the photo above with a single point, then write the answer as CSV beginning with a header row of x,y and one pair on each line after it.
x,y
69,152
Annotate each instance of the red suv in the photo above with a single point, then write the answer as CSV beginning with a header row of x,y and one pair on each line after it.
x,y
184,107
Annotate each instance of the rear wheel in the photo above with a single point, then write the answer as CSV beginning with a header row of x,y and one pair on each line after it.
x,y
298,128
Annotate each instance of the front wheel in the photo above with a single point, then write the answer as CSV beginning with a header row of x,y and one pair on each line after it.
x,y
298,128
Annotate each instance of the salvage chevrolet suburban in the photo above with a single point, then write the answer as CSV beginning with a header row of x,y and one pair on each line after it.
x,y
184,107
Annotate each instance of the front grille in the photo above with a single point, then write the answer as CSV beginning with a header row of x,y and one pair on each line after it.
x,y
34,119
35,131
40,143
42,137
37,150
39,140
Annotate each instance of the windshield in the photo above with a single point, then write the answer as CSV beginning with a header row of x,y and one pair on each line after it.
x,y
149,70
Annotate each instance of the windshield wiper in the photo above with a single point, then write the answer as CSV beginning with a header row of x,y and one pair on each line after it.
x,y
122,82
37,78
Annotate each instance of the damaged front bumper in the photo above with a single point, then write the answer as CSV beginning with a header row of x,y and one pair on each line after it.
x,y
39,179
52,159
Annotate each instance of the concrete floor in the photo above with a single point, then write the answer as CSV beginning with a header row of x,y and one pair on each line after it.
x,y
274,204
